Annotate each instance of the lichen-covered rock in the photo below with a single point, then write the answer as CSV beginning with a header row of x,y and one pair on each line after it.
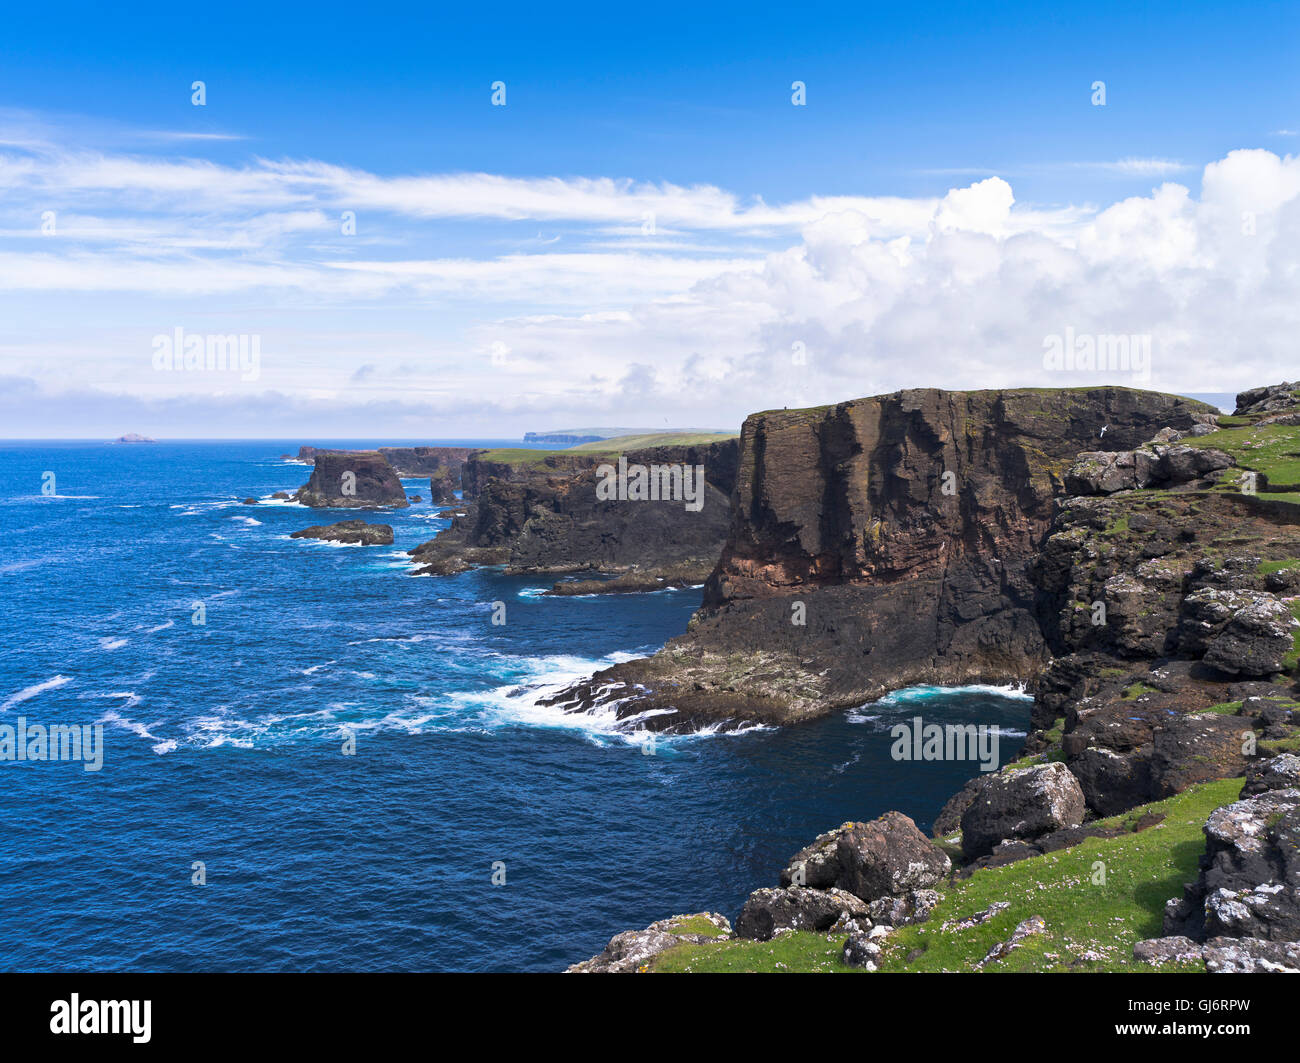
x,y
1242,632
1175,949
1249,885
1270,398
1256,640
1035,924
632,950
1112,781
887,857
1276,773
1228,955
1021,804
914,906
769,912
1163,465
861,950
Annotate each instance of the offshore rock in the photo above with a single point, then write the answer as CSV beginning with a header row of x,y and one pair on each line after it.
x,y
352,479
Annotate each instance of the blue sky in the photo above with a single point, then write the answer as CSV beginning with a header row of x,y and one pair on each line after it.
x,y
649,226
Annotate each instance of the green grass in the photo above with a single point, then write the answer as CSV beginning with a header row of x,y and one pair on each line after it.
x,y
619,444
1273,450
1143,869
696,924
1225,708
1265,567
1138,689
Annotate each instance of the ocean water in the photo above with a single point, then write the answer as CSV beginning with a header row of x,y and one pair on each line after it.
x,y
223,742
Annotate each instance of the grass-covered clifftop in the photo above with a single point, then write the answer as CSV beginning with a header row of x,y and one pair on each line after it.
x,y
604,447
1097,899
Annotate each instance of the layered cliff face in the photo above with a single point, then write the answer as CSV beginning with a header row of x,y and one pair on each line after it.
x,y
546,515
352,479
880,543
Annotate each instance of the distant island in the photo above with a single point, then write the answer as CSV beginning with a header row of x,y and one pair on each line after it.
x,y
134,437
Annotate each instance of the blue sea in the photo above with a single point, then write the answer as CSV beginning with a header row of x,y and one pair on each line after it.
x,y
223,741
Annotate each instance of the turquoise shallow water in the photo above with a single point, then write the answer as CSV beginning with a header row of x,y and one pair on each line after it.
x,y
223,741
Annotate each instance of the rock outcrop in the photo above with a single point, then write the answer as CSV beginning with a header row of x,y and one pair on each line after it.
x,y
351,532
887,857
545,515
880,543
632,950
1249,886
1020,804
352,479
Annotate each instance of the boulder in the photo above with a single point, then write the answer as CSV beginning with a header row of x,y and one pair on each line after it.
x,y
349,531
1242,632
1112,782
1276,773
1270,398
1021,804
948,821
1175,949
914,906
887,857
1162,465
1249,884
861,950
1226,955
1030,927
769,912
1196,748
1256,640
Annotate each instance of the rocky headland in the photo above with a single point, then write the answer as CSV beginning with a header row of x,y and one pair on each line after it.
x,y
1147,587
881,543
539,512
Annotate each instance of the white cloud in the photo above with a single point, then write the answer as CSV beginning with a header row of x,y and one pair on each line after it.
x,y
604,321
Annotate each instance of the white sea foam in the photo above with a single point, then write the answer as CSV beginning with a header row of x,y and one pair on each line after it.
x,y
27,693
912,698
110,644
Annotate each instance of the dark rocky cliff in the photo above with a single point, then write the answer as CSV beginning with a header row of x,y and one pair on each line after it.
x,y
350,479
1165,591
544,515
899,530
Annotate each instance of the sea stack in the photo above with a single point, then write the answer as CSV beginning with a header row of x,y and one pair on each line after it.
x,y
352,479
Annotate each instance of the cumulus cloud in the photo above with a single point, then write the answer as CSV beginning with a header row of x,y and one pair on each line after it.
x,y
693,304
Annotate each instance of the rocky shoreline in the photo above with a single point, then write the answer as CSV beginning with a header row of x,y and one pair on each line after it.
x,y
1149,592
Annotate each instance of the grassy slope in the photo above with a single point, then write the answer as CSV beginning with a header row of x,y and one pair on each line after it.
x,y
611,447
1102,922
